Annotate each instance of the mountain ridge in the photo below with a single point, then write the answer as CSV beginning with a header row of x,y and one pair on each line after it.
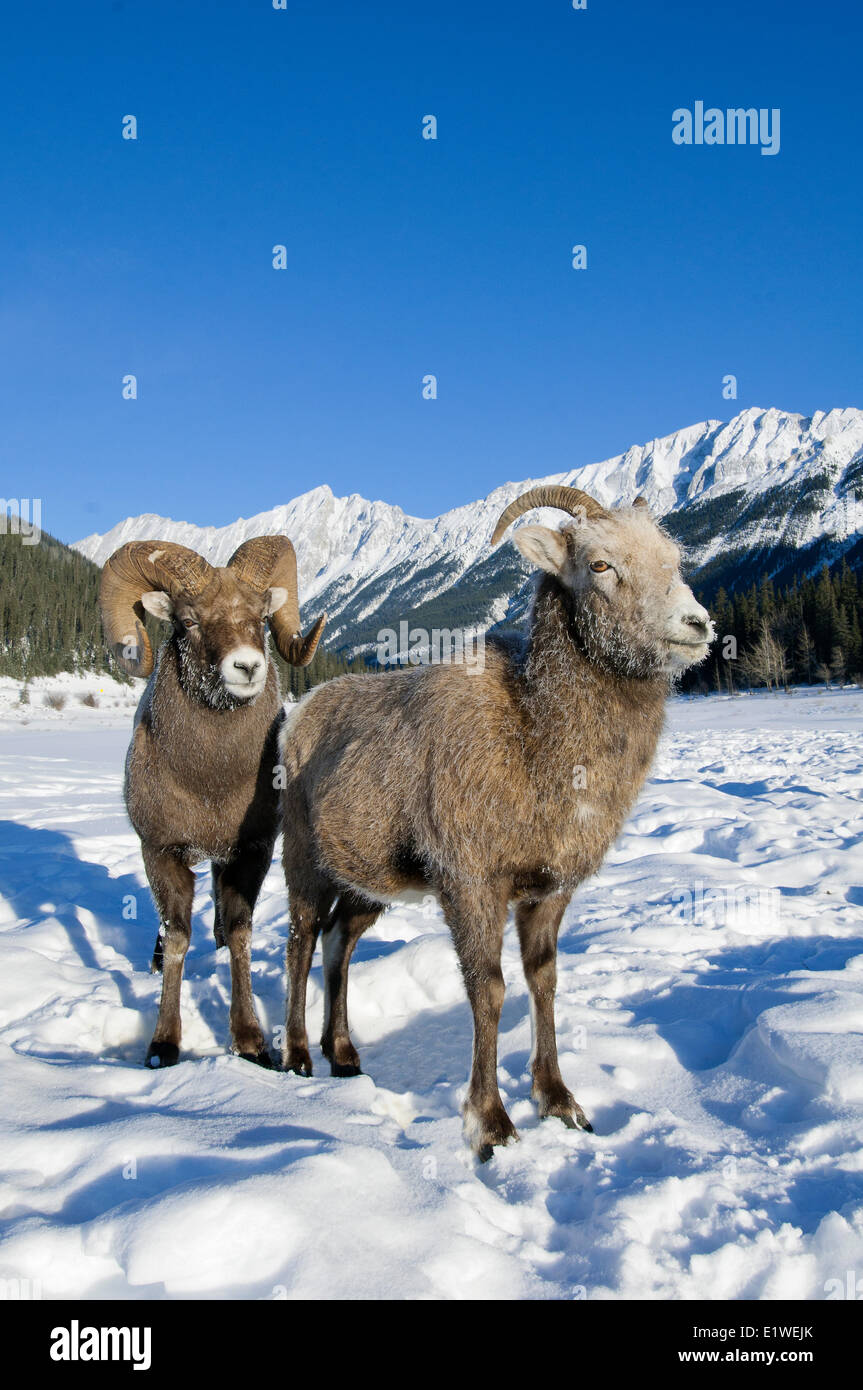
x,y
767,487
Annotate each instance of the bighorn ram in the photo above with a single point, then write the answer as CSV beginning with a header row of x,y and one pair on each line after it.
x,y
495,787
199,771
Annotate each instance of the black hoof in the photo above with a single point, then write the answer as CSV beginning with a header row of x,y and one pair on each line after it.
x,y
559,1104
261,1059
485,1152
579,1121
345,1069
300,1063
162,1054
576,1122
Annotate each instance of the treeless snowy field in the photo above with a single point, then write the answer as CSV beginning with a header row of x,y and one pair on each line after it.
x,y
710,1019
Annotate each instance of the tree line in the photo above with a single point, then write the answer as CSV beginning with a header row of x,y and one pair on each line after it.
x,y
49,612
49,619
807,632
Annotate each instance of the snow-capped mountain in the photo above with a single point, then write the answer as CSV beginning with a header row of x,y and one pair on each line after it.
x,y
766,491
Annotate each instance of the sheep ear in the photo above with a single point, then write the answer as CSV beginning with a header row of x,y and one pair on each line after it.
x,y
278,597
159,605
542,546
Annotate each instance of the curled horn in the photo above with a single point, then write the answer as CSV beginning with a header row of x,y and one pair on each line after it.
x,y
270,562
139,568
566,499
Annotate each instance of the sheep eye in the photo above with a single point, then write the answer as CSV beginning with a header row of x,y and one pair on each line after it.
x,y
598,566
189,623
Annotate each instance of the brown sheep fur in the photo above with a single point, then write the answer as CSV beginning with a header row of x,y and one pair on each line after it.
x,y
488,787
200,786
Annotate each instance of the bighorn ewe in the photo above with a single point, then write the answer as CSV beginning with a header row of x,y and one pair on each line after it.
x,y
199,771
495,787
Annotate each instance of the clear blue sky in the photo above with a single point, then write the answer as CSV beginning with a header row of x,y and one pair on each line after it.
x,y
407,256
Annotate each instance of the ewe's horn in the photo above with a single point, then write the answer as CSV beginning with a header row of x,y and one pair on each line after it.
x,y
566,499
270,562
139,568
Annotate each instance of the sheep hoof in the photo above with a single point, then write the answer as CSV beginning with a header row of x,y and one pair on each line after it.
x,y
342,1056
345,1069
487,1132
299,1062
575,1119
578,1120
556,1101
162,1054
261,1058
486,1149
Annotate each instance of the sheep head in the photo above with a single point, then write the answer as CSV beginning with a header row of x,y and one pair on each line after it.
x,y
621,575
219,614
267,561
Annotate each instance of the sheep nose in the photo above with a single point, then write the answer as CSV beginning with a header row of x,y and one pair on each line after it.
x,y
249,668
700,625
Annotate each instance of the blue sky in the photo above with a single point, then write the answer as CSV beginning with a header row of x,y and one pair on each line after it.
x,y
407,256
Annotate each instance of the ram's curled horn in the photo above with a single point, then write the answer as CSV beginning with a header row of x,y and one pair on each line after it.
x,y
270,562
566,499
137,568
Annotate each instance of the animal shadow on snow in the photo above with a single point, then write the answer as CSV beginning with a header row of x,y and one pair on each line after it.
x,y
705,1021
42,875
429,1056
704,1024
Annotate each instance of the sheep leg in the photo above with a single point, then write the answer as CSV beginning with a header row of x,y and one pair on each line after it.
x,y
308,916
538,925
218,925
158,955
172,886
476,921
340,937
239,884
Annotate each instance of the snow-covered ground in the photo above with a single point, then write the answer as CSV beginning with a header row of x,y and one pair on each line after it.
x,y
49,701
710,1008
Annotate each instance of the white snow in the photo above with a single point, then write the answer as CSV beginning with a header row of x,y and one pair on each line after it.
x,y
46,701
710,1020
